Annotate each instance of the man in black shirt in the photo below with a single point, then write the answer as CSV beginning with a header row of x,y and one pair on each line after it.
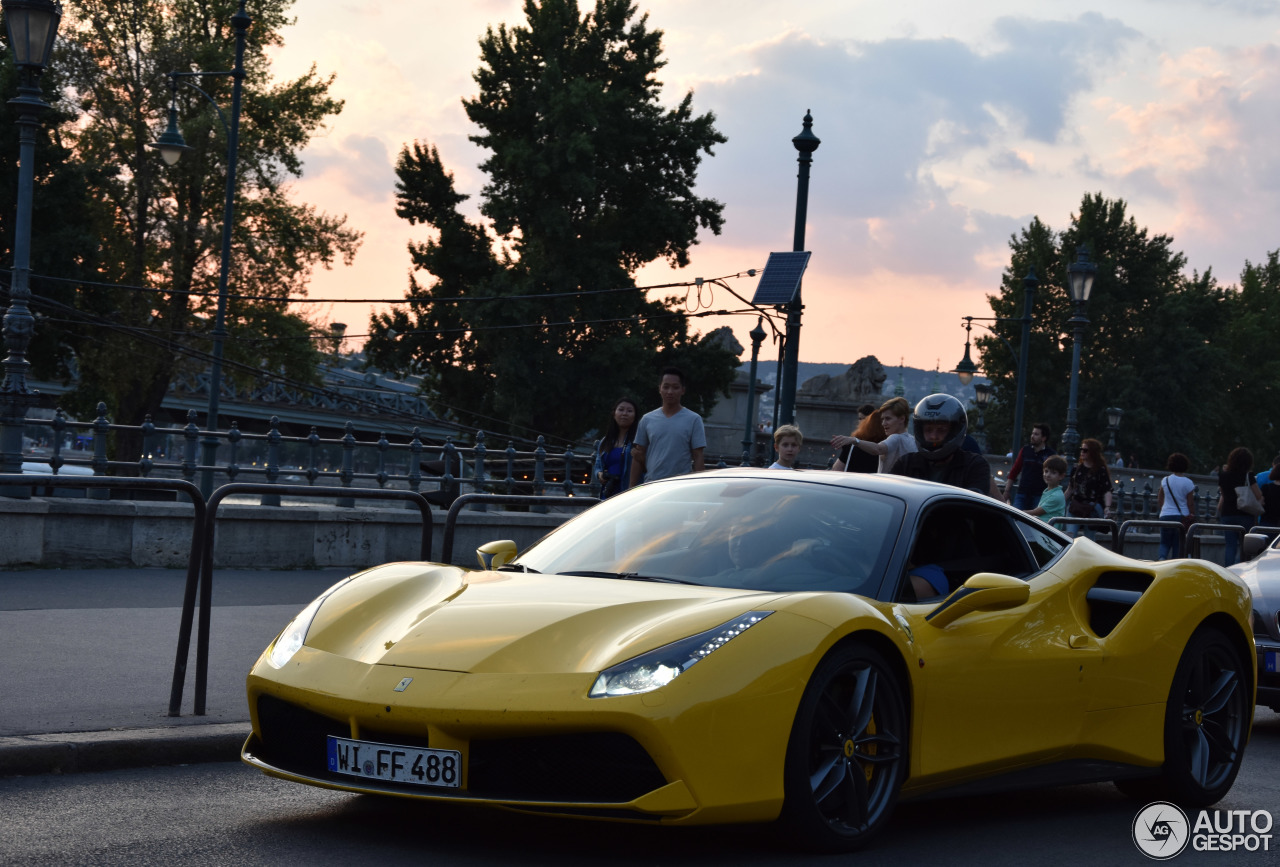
x,y
940,425
1027,469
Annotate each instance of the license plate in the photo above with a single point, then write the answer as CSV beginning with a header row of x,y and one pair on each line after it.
x,y
1272,658
395,764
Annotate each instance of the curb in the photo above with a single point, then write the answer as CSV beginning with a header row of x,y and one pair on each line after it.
x,y
82,752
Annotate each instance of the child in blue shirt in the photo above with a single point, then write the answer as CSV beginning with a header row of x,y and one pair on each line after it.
x,y
1053,502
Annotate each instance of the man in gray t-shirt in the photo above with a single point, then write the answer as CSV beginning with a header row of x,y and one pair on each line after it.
x,y
670,440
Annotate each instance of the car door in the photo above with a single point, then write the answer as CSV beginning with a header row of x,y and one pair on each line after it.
x,y
1000,688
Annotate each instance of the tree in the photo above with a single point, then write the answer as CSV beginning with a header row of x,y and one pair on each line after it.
x,y
159,228
1151,346
589,178
1251,399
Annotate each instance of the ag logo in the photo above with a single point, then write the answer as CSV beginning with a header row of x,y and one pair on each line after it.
x,y
1161,830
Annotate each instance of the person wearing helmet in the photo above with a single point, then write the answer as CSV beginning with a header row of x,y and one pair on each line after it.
x,y
940,425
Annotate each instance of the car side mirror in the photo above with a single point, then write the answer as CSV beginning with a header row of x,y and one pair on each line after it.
x,y
494,555
985,591
1253,544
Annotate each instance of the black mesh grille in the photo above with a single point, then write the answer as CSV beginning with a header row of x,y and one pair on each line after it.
x,y
601,767
593,767
295,739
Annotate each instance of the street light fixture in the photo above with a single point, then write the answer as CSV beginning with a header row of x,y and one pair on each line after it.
x,y
981,397
757,335
966,369
1080,276
172,146
1114,414
33,27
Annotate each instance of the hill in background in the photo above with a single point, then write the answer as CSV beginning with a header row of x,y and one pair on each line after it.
x,y
917,383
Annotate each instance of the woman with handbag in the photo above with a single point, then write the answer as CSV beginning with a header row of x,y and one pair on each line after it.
x,y
1089,491
613,451
1239,500
1176,502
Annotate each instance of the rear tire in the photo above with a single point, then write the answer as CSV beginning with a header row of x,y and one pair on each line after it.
x,y
1205,726
847,756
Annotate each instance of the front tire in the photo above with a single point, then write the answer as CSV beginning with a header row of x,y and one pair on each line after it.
x,y
1205,726
847,756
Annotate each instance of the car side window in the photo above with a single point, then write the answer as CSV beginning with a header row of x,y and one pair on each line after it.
x,y
1045,547
958,539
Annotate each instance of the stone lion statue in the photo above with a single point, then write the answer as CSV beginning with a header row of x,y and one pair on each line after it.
x,y
863,380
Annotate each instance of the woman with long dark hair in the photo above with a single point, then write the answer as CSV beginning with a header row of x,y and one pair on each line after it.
x,y
1235,475
851,460
613,451
1089,492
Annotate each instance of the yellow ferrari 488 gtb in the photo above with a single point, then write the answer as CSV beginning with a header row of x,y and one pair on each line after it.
x,y
752,646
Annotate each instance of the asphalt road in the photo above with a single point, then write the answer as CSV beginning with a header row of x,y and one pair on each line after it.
x,y
93,649
230,814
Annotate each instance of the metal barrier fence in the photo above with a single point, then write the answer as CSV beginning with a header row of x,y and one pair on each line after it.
x,y
174,452
200,543
206,569
1188,538
451,520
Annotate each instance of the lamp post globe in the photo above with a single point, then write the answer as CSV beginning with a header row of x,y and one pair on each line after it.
x,y
32,28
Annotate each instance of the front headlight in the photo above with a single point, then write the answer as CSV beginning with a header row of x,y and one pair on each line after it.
x,y
295,634
657,668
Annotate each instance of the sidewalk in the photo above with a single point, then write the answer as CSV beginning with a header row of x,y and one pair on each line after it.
x,y
87,659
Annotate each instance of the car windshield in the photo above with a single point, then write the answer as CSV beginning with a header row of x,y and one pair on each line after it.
x,y
765,534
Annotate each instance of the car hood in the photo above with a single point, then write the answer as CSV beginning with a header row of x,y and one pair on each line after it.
x,y
442,617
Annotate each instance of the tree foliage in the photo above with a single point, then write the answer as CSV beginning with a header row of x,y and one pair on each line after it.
x,y
1176,352
159,227
590,177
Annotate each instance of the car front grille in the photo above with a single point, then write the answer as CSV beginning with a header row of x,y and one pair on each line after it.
x,y
589,767
583,768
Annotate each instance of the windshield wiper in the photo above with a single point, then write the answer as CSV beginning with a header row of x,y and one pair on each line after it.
x,y
517,567
626,576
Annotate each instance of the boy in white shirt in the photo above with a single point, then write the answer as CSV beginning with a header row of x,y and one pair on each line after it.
x,y
786,441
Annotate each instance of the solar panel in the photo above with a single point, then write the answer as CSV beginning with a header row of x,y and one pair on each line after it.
x,y
781,278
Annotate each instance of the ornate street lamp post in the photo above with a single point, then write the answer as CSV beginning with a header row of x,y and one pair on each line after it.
x,y
981,397
33,26
806,143
172,146
1080,274
748,431
966,369
1114,414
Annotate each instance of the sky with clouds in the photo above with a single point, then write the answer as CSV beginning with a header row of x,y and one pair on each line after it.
x,y
945,128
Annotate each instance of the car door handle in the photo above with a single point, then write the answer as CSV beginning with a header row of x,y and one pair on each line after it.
x,y
1078,641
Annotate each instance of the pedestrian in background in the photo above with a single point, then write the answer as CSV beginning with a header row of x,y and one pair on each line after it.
x,y
787,441
1235,475
1053,502
851,460
1175,502
1027,469
1089,491
670,440
894,415
1269,484
613,451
